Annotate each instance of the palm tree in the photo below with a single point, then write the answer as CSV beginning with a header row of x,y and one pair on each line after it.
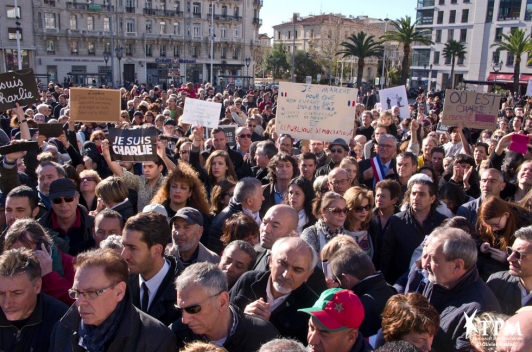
x,y
517,43
406,33
454,49
362,46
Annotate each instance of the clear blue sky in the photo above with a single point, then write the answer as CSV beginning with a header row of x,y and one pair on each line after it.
x,y
277,11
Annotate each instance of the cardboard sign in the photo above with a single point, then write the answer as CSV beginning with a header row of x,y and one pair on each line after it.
x,y
474,110
201,113
19,147
50,130
136,145
230,132
395,96
95,105
519,143
308,111
18,87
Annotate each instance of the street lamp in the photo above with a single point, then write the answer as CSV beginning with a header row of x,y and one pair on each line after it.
x,y
384,55
294,20
248,62
496,66
119,52
106,57
430,76
212,38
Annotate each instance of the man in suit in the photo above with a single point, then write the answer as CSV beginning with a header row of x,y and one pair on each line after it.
x,y
375,169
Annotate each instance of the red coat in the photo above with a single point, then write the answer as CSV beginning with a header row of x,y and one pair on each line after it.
x,y
56,286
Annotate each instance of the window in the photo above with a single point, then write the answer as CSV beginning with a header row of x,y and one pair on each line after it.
x,y
90,23
162,50
74,47
224,52
210,9
289,34
438,36
440,17
224,11
106,24
436,60
236,52
196,8
489,12
454,1
196,28
295,34
162,28
50,47
91,48
12,59
130,26
188,30
496,56
148,26
73,22
465,15
509,59
498,35
441,2
460,61
235,32
107,47
223,32
148,49
509,10
176,28
452,16
312,33
463,35
450,34
194,50
237,12
528,10
10,10
448,60
49,20
12,33
177,50
421,57
129,49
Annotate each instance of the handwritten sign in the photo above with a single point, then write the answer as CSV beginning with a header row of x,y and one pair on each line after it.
x,y
474,110
133,145
308,111
395,96
18,87
201,113
95,105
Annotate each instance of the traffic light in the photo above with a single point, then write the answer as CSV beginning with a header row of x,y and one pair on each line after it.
x,y
308,56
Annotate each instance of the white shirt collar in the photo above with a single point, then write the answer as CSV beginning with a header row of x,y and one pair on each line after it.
x,y
154,283
274,302
525,295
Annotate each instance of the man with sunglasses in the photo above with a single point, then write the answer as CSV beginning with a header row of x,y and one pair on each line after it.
x,y
104,317
513,287
339,150
71,220
207,314
243,140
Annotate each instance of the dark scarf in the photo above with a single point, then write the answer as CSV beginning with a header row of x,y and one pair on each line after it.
x,y
94,338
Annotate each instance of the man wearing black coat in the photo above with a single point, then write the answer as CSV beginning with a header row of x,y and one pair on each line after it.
x,y
375,169
219,142
276,295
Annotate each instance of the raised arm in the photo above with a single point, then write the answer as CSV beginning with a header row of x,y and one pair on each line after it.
x,y
113,165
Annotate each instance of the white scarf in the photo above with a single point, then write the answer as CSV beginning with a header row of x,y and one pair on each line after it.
x,y
302,221
255,216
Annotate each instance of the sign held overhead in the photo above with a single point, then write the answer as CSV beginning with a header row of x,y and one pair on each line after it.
x,y
472,109
202,113
95,105
18,87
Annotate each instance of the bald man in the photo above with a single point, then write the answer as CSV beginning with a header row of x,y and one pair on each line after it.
x,y
338,180
281,221
516,333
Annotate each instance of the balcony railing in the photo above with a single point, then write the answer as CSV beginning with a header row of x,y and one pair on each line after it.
x,y
49,3
225,18
196,14
165,13
130,9
425,3
257,20
87,7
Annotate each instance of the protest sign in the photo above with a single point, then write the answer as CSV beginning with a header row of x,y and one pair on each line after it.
x,y
50,130
519,143
95,105
201,113
18,87
441,128
230,132
472,109
19,147
395,96
136,145
309,111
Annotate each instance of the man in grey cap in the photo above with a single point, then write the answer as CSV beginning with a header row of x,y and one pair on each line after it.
x,y
187,227
339,150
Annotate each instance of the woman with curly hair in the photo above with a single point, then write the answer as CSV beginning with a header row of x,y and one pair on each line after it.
x,y
360,203
182,188
221,194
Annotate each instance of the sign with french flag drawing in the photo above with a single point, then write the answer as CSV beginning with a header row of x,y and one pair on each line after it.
x,y
309,111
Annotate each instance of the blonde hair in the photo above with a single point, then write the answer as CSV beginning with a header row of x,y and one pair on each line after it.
x,y
335,244
353,198
112,190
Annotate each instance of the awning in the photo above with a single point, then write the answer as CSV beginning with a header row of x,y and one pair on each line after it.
x,y
525,78
500,76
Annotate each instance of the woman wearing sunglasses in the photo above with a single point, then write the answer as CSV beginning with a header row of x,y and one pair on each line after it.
x,y
360,203
332,211
88,180
498,220
97,137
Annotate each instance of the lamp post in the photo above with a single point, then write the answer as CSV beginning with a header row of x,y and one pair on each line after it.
x,y
212,40
111,48
106,57
248,62
119,52
430,77
294,20
384,55
496,66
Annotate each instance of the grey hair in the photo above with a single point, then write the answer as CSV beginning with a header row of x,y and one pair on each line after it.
x,y
60,171
283,345
524,233
112,242
245,247
207,275
246,188
457,244
297,243
352,261
387,136
319,182
499,174
268,148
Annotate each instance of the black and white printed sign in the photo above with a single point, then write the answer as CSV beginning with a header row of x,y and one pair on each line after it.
x,y
136,145
18,87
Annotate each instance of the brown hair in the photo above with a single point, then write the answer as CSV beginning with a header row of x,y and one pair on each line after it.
x,y
18,261
153,227
112,190
198,346
335,244
230,173
20,229
96,134
114,266
353,198
239,226
407,313
218,193
392,186
282,156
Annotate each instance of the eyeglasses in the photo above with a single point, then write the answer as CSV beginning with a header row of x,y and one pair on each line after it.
x,y
359,209
184,152
244,135
518,255
337,151
386,146
494,225
90,295
337,210
98,139
196,308
81,180
340,182
60,200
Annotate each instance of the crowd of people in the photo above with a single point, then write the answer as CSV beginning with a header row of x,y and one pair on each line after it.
x,y
406,237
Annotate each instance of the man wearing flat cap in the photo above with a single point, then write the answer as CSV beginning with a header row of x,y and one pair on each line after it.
x,y
67,217
187,227
339,150
335,319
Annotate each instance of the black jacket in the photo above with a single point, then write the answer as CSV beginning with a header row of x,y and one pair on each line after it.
x,y
325,169
403,236
249,335
366,164
137,332
260,174
373,292
505,288
235,156
251,286
268,193
126,210
162,307
215,232
35,335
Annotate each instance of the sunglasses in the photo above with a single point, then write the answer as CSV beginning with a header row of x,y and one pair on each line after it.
x,y
337,151
98,139
196,308
252,126
81,180
337,210
60,200
359,209
184,152
244,135
518,255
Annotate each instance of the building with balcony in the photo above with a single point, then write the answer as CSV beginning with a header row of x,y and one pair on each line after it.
x,y
161,41
477,24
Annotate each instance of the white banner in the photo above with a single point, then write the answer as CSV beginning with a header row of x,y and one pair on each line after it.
x,y
202,113
395,96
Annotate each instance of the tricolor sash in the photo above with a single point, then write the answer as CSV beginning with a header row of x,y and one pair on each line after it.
x,y
378,169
